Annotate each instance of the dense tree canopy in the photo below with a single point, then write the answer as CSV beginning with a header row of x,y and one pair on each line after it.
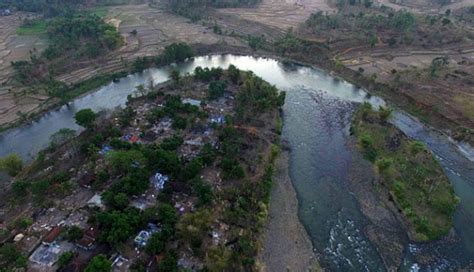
x,y
85,118
84,36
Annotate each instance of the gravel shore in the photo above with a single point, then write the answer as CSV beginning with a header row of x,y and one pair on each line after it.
x,y
286,245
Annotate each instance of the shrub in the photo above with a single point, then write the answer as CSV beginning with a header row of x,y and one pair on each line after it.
x,y
385,113
216,89
11,164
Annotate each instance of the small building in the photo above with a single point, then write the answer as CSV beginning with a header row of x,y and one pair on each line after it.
x,y
18,237
158,180
28,244
46,255
217,119
87,241
142,238
144,235
96,201
105,149
52,235
5,12
120,264
193,102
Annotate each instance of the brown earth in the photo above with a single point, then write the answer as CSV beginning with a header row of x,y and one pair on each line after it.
x,y
286,246
14,47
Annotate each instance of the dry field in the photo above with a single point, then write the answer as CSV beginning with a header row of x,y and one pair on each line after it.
x,y
451,93
278,15
13,47
425,6
155,29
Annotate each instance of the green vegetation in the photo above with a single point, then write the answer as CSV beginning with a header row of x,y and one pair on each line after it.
x,y
32,27
65,259
11,259
11,164
85,118
412,174
99,263
81,36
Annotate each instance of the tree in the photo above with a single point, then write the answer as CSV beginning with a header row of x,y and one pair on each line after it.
x,y
74,233
20,188
175,76
62,136
216,89
194,226
65,258
85,118
11,164
124,161
10,258
234,73
118,226
99,263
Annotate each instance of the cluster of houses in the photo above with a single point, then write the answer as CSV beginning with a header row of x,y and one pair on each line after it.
x,y
43,242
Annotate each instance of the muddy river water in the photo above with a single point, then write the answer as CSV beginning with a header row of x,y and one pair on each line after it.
x,y
316,126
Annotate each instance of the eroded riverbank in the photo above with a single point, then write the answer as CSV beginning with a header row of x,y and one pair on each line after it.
x,y
286,246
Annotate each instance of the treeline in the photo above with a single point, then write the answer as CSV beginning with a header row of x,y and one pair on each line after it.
x,y
71,38
59,7
194,9
81,36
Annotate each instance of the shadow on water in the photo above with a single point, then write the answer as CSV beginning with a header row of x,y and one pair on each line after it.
x,y
316,120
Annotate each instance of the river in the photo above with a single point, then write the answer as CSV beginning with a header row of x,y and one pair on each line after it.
x,y
316,125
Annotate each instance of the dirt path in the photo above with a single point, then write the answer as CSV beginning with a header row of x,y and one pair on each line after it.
x,y
287,246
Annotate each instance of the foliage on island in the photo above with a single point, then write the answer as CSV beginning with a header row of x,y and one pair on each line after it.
x,y
411,173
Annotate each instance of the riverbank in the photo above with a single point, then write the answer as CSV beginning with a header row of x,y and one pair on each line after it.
x,y
319,59
385,228
286,246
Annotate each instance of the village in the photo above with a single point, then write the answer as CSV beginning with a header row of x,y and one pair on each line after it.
x,y
186,118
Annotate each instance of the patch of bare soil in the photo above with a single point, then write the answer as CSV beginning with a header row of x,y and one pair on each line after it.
x,y
449,93
287,246
15,101
424,6
155,29
279,14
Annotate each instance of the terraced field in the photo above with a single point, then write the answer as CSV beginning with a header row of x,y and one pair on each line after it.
x,y
15,101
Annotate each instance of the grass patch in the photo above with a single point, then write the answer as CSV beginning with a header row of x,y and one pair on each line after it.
x,y
33,27
414,177
466,105
99,11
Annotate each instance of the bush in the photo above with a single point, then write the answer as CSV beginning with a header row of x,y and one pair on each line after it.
x,y
65,258
417,147
99,263
74,233
216,89
366,141
85,118
383,164
11,164
385,113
